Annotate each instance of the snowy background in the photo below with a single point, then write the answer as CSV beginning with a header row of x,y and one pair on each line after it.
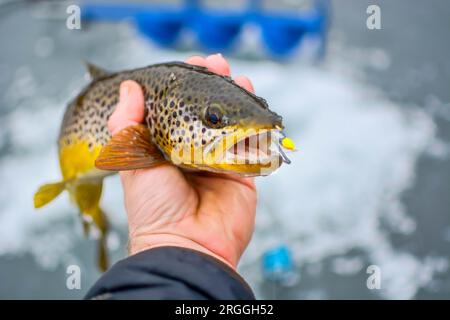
x,y
368,186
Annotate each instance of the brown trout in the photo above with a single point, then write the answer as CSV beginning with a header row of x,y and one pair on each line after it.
x,y
194,118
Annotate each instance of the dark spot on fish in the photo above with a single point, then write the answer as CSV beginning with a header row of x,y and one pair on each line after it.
x,y
191,128
186,118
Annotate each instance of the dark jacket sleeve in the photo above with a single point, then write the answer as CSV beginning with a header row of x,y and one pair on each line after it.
x,y
170,273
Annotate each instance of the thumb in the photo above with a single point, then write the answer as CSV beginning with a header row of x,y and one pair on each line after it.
x,y
129,112
130,109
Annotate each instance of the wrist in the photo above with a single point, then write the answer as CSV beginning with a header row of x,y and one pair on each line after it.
x,y
146,242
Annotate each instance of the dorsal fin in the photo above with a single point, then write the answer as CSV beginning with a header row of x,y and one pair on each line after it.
x,y
94,71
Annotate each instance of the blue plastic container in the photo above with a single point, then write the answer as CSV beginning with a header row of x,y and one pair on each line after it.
x,y
216,30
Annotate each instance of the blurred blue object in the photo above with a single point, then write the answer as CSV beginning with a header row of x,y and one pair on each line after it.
x,y
162,27
278,265
281,35
217,30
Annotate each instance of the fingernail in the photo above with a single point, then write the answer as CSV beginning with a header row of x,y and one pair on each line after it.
x,y
219,55
124,91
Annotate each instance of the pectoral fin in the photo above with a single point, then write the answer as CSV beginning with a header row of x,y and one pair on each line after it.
x,y
129,149
47,193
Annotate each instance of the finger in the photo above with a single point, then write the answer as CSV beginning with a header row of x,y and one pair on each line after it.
x,y
197,61
216,63
249,182
245,83
130,109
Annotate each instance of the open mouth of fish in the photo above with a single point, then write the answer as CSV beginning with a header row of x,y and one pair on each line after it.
x,y
255,147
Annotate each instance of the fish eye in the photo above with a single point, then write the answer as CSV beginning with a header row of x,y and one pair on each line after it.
x,y
214,115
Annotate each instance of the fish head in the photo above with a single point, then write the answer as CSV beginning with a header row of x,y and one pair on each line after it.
x,y
219,126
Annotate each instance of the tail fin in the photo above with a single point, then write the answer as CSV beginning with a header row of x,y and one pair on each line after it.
x,y
47,193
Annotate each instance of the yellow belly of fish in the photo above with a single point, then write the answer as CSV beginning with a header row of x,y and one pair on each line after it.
x,y
84,183
77,160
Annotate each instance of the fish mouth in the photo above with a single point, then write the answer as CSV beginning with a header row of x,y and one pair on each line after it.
x,y
247,148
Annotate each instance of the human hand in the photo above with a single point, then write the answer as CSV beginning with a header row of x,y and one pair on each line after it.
x,y
211,213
